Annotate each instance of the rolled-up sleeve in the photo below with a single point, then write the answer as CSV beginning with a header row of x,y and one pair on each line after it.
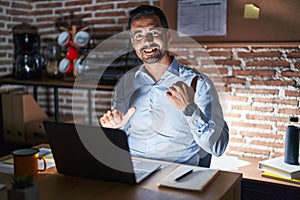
x,y
209,129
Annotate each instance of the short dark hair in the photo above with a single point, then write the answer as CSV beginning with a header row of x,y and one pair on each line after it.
x,y
146,10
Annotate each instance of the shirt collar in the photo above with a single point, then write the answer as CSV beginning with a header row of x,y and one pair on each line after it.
x,y
173,68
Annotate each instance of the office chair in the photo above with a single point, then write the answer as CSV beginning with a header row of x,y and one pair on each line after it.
x,y
205,161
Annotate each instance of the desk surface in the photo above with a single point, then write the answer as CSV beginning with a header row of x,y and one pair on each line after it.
x,y
55,186
252,172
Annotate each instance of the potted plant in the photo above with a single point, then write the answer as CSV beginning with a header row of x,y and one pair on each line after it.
x,y
23,188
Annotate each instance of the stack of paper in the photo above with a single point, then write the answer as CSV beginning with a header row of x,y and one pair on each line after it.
x,y
276,168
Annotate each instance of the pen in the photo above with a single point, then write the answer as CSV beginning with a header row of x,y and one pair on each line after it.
x,y
183,175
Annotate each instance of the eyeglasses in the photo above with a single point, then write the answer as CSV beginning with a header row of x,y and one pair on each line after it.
x,y
139,35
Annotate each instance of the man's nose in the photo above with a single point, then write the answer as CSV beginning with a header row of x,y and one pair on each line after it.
x,y
149,37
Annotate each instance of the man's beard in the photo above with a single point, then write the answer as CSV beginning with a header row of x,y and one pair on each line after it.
x,y
154,58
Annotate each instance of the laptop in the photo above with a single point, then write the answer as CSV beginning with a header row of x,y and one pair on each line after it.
x,y
96,153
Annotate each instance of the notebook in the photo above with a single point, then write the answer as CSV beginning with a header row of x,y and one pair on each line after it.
x,y
189,177
95,152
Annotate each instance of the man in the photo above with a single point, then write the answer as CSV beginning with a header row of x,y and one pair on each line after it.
x,y
157,106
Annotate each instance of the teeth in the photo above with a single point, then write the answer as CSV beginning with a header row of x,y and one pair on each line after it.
x,y
149,50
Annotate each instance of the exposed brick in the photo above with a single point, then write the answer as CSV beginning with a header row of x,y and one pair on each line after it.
x,y
102,21
261,135
236,98
18,12
274,46
77,101
283,128
258,54
70,107
276,101
205,62
221,88
101,1
4,3
249,150
253,108
123,20
187,61
132,4
257,91
278,154
273,82
297,65
4,17
67,10
290,73
227,62
233,115
213,70
99,7
245,125
176,53
106,14
289,111
200,54
3,69
42,12
254,72
103,95
233,80
226,46
21,5
48,5
227,54
47,19
21,20
292,93
101,110
293,55
270,144
237,140
77,2
268,63
264,117
5,62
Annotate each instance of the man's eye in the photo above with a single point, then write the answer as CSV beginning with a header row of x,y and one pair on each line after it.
x,y
155,33
138,36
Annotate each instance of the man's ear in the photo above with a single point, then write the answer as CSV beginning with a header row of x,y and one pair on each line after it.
x,y
169,36
132,43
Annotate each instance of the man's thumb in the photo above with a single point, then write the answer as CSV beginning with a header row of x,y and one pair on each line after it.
x,y
127,116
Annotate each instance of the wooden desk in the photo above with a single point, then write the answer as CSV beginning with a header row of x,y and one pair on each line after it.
x,y
55,186
254,186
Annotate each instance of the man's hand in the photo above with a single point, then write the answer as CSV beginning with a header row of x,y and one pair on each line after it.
x,y
181,95
116,119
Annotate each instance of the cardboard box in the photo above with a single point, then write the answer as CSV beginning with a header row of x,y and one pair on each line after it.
x,y
35,132
17,110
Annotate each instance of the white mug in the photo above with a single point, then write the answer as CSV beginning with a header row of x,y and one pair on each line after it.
x,y
65,66
78,66
81,38
64,38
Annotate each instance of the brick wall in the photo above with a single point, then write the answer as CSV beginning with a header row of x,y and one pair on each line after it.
x,y
258,83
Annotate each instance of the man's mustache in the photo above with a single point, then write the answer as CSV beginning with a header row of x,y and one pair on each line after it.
x,y
149,46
